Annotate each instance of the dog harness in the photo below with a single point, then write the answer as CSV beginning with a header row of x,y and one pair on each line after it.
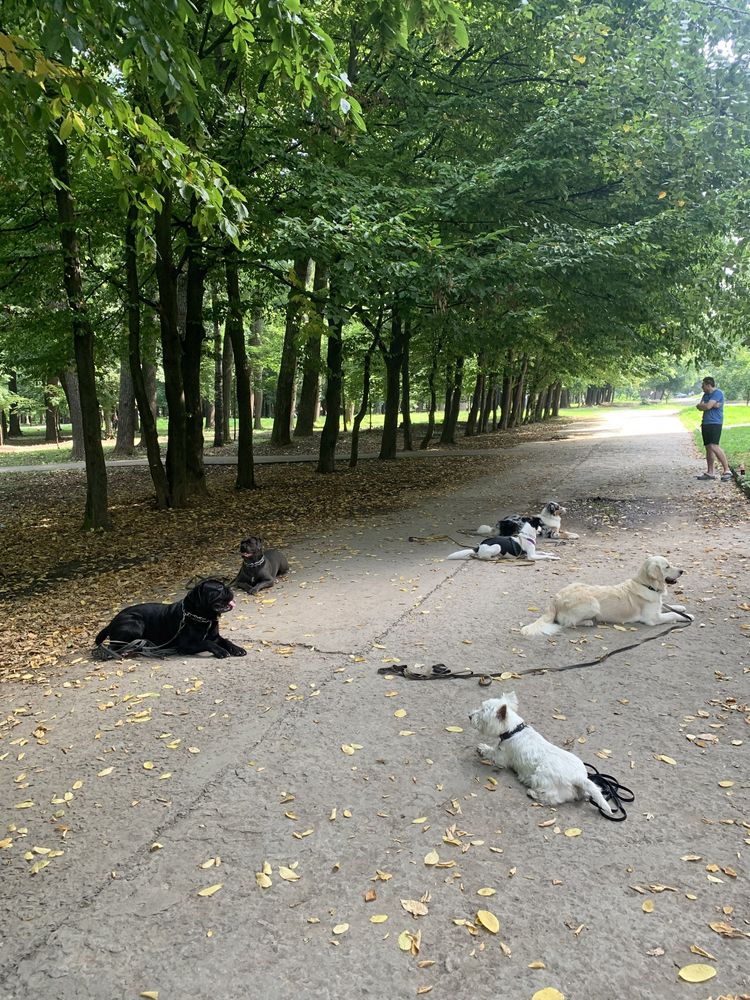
x,y
507,736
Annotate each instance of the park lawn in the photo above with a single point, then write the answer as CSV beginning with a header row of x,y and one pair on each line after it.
x,y
735,438
586,412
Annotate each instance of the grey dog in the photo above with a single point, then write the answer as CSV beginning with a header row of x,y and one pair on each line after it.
x,y
260,566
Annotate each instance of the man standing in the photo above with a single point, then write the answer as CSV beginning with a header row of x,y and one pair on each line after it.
x,y
712,406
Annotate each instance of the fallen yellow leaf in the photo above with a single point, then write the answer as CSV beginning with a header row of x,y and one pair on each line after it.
x,y
288,874
263,880
548,993
573,831
400,713
105,772
486,892
378,918
648,906
488,920
420,819
431,858
696,973
211,889
664,759
537,965
341,928
726,784
150,994
404,941
453,729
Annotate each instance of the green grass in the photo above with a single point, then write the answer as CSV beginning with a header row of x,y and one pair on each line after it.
x,y
586,412
735,438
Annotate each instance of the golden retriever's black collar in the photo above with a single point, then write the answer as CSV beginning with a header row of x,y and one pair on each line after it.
x,y
649,587
506,736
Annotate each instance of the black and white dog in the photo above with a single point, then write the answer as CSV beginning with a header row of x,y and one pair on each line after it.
x,y
521,544
547,523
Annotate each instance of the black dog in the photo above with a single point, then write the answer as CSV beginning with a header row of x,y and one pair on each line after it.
x,y
259,568
186,627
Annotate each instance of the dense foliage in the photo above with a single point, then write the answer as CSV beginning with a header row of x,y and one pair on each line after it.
x,y
411,201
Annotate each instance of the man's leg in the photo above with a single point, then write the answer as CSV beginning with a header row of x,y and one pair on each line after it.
x,y
710,459
720,456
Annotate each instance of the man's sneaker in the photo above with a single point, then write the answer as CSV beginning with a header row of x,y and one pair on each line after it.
x,y
705,476
726,476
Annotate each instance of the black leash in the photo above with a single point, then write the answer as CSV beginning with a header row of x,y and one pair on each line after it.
x,y
438,672
611,652
613,792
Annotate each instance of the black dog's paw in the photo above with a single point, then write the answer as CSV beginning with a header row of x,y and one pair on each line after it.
x,y
221,654
235,650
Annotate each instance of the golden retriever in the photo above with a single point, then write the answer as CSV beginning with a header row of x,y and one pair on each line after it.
x,y
636,600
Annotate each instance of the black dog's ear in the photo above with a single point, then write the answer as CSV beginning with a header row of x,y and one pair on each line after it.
x,y
502,712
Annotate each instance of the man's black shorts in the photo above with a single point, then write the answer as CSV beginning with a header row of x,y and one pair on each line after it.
x,y
711,433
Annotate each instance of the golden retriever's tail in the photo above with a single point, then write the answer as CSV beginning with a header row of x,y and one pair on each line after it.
x,y
546,625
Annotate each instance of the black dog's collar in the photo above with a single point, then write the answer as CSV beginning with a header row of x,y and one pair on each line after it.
x,y
196,618
255,565
507,736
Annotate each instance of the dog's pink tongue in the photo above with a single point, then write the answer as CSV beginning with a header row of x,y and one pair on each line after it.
x,y
231,605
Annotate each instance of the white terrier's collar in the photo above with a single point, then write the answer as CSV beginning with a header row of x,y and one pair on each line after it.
x,y
506,736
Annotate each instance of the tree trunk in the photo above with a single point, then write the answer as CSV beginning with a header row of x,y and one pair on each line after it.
x,y
256,370
125,442
516,414
191,364
227,374
14,423
406,389
334,355
51,412
506,400
424,443
171,345
149,433
364,405
487,404
393,356
476,401
309,399
282,417
235,329
96,514
448,435
218,381
69,381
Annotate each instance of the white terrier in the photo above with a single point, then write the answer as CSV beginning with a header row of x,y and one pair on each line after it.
x,y
522,544
552,775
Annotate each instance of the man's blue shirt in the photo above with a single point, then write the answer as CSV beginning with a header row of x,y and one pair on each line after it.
x,y
715,415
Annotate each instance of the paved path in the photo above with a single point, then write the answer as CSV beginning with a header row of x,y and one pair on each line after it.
x,y
159,780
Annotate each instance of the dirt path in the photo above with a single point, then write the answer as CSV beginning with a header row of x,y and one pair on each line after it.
x,y
158,780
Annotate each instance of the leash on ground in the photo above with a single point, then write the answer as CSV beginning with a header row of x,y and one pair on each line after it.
x,y
435,672
612,652
614,793
439,671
